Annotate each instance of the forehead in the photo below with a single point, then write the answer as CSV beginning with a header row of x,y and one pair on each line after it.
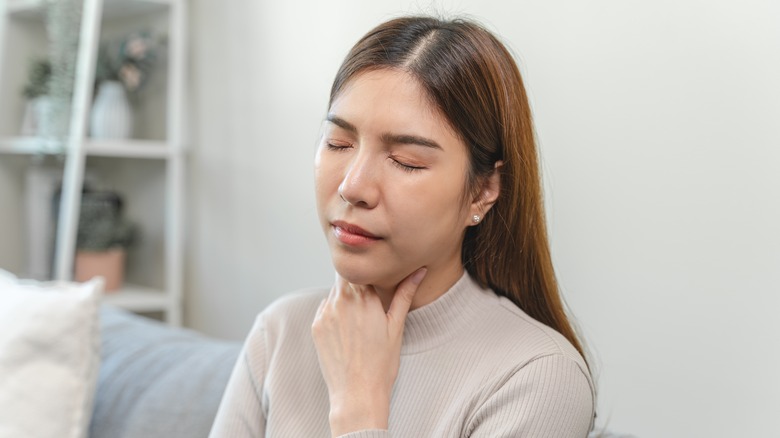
x,y
391,100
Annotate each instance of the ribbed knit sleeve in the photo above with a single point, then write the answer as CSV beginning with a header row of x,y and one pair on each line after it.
x,y
373,433
240,413
549,397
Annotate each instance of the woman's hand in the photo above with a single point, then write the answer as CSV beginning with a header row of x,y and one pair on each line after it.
x,y
359,350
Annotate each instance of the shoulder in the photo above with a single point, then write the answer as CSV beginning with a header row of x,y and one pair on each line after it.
x,y
295,302
282,326
532,335
536,363
293,311
501,325
544,344
513,340
548,396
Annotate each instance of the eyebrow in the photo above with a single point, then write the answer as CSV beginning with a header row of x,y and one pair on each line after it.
x,y
386,137
341,123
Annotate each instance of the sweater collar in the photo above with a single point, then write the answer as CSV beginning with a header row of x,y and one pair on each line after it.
x,y
441,320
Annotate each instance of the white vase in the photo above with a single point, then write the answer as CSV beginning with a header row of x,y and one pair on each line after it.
x,y
38,117
111,116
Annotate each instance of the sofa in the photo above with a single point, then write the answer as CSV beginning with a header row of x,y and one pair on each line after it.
x,y
156,380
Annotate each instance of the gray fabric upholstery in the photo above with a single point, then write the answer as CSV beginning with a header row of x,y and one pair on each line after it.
x,y
157,381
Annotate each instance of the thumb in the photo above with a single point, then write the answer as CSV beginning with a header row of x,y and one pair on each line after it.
x,y
402,300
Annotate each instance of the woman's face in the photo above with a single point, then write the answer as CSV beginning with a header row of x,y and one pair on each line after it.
x,y
390,180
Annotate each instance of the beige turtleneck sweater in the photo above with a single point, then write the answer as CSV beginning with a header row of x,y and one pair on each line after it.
x,y
472,365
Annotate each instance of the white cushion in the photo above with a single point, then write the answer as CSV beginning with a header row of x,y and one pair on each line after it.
x,y
49,357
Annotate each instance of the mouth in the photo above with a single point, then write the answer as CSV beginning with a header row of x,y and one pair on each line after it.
x,y
352,235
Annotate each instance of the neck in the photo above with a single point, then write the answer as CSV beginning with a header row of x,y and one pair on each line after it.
x,y
435,284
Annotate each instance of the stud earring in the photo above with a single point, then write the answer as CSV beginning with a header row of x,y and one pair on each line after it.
x,y
476,218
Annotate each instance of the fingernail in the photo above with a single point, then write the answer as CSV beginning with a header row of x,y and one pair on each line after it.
x,y
419,275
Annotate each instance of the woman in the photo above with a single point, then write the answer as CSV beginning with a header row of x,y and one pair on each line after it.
x,y
445,317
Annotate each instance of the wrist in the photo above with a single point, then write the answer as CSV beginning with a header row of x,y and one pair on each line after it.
x,y
351,414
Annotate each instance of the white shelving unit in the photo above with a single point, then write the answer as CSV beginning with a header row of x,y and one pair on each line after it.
x,y
93,148
150,168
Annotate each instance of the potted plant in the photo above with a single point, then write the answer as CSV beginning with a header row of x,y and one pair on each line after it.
x,y
122,67
37,113
102,239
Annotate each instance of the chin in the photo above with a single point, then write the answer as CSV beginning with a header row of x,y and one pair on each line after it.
x,y
359,273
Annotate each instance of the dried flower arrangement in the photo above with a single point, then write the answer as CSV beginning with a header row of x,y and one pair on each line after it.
x,y
129,60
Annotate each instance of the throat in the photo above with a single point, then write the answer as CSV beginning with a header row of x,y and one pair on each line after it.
x,y
434,285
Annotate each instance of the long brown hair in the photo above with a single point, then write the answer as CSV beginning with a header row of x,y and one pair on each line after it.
x,y
473,79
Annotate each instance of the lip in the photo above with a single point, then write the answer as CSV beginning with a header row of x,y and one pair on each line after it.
x,y
352,235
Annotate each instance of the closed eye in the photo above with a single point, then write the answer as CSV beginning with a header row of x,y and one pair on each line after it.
x,y
406,167
338,147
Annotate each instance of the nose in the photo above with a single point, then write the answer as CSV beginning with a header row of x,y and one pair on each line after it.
x,y
359,187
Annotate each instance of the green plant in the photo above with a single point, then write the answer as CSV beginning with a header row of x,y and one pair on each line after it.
x,y
101,223
38,78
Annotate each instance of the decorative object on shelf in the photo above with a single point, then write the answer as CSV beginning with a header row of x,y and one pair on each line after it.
x,y
123,67
109,264
38,110
111,116
102,239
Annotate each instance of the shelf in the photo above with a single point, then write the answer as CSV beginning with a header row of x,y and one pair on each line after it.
x,y
150,173
28,145
93,148
138,299
34,9
129,149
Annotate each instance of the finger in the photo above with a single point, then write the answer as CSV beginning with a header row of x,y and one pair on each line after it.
x,y
404,294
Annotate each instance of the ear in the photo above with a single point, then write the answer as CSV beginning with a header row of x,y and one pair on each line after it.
x,y
487,196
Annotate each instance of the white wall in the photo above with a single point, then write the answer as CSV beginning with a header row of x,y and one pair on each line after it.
x,y
658,123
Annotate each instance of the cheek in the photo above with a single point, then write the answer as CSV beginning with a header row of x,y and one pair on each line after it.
x,y
432,210
325,185
326,176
